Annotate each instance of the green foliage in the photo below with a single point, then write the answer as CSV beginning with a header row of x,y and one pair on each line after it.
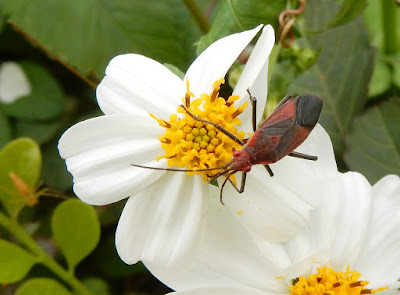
x,y
76,230
22,158
90,33
42,286
5,130
374,143
97,286
14,262
61,43
342,72
381,79
46,100
349,10
236,15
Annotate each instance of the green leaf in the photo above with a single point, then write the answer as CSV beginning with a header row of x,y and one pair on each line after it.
x,y
21,157
42,286
237,15
381,79
15,262
91,32
46,100
349,10
374,143
97,286
54,172
395,62
41,132
76,230
5,130
342,72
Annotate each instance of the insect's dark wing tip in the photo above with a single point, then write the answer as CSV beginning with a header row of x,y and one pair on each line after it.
x,y
308,109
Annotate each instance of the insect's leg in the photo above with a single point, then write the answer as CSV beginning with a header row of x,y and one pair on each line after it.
x,y
282,102
303,156
226,132
269,170
222,186
253,101
242,183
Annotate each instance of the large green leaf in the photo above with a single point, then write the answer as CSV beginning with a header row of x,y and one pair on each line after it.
x,y
237,15
42,286
87,34
21,157
349,10
342,72
46,100
76,230
14,262
374,143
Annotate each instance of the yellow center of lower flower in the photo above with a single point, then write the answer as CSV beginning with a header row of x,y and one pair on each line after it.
x,y
197,145
329,282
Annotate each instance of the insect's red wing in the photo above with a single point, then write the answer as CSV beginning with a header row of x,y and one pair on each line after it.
x,y
287,128
268,136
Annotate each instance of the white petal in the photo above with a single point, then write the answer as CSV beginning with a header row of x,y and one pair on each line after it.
x,y
163,223
276,208
267,208
14,83
379,264
99,152
228,257
220,291
353,221
254,77
136,84
214,62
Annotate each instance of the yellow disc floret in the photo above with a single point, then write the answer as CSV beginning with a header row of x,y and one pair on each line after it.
x,y
191,144
329,282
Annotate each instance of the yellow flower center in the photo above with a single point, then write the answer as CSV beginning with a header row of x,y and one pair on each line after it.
x,y
197,145
329,282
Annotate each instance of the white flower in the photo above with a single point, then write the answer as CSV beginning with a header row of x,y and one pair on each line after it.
x,y
356,230
13,82
163,219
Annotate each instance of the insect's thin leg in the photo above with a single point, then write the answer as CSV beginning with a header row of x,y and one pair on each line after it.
x,y
253,101
303,156
282,102
226,132
269,170
242,183
223,184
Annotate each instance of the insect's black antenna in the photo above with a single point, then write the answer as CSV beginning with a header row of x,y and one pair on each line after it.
x,y
226,132
182,170
223,184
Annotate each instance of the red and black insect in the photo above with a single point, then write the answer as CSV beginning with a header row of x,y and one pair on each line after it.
x,y
284,130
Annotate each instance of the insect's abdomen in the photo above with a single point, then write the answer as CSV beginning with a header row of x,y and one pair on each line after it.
x,y
308,109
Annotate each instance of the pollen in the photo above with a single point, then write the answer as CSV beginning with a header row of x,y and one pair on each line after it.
x,y
329,282
192,144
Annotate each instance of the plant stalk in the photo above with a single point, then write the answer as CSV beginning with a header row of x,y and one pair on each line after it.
x,y
198,15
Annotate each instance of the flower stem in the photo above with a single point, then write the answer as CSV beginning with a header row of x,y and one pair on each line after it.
x,y
25,239
198,15
389,11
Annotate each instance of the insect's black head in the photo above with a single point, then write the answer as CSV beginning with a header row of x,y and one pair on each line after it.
x,y
308,109
241,161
